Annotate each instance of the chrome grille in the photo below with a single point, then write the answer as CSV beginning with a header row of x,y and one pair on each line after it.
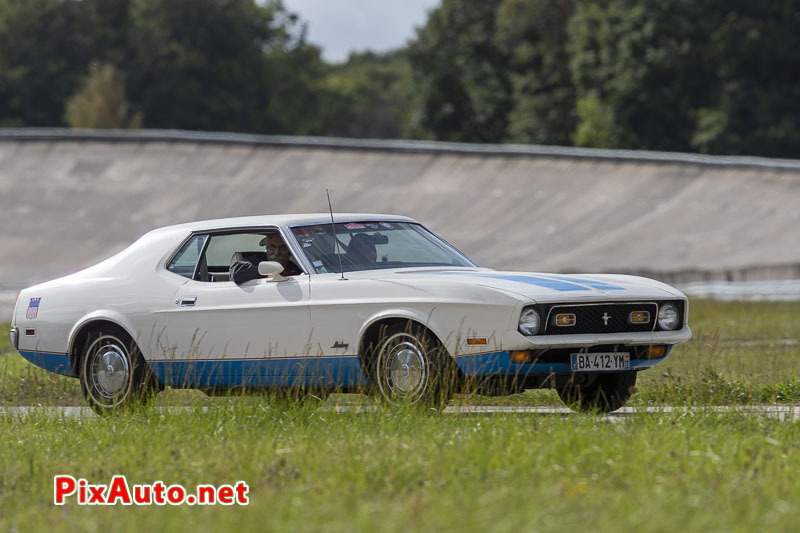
x,y
601,318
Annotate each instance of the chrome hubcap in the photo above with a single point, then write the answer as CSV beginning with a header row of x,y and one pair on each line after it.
x,y
405,370
110,371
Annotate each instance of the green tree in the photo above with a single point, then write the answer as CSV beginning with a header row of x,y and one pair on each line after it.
x,y
597,127
101,102
45,48
534,35
753,105
370,96
214,64
234,65
297,98
640,63
460,74
718,76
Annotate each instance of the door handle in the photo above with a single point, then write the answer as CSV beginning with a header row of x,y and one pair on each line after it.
x,y
188,301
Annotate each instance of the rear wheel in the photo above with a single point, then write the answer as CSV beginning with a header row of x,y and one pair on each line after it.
x,y
113,373
410,366
608,392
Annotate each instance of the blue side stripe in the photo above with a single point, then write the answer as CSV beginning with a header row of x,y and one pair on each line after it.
x,y
59,363
301,371
306,371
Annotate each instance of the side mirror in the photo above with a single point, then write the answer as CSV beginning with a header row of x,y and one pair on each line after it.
x,y
272,269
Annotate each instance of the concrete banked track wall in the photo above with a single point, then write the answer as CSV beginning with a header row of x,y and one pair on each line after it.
x,y
71,199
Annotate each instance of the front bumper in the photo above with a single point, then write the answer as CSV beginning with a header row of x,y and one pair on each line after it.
x,y
514,340
499,364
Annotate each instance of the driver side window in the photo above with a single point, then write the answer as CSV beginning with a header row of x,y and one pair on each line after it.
x,y
209,258
222,250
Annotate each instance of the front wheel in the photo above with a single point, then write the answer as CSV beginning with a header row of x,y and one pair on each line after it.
x,y
608,392
113,372
410,366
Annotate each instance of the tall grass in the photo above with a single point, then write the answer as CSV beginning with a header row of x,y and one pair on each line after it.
x,y
395,469
742,352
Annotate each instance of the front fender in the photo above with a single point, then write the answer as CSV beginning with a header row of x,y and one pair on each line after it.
x,y
403,313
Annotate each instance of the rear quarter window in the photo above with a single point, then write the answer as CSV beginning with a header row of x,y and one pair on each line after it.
x,y
185,261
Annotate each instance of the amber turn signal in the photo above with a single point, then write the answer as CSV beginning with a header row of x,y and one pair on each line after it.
x,y
473,341
521,357
565,319
656,352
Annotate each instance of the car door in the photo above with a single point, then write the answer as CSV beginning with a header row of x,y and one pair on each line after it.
x,y
219,333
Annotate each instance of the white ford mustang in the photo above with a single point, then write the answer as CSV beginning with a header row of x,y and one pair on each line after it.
x,y
378,303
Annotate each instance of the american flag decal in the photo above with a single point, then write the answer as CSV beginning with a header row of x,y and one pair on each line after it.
x,y
33,308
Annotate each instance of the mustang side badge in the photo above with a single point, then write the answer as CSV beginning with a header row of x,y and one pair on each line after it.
x,y
33,308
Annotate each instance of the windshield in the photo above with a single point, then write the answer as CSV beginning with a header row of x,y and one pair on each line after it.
x,y
372,245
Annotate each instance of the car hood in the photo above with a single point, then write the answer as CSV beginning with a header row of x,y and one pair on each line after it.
x,y
543,287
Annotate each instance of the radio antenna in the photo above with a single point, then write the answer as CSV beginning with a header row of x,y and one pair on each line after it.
x,y
335,240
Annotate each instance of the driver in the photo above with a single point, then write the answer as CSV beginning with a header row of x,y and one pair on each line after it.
x,y
243,270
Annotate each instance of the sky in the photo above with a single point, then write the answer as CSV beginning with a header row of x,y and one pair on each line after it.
x,y
342,26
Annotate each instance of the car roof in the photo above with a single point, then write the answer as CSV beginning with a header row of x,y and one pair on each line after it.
x,y
281,220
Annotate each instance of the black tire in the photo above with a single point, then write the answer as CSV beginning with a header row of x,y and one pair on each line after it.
x,y
409,366
113,373
608,392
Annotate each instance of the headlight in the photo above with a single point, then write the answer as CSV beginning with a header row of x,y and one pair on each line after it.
x,y
668,317
529,321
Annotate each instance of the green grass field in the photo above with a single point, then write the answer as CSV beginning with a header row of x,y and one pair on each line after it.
x,y
315,469
394,470
741,352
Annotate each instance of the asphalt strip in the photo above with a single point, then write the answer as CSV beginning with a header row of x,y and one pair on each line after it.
x,y
784,413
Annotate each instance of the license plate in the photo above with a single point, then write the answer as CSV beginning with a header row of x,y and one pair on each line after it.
x,y
600,362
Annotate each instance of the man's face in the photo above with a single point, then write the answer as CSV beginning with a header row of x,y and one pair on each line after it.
x,y
277,249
